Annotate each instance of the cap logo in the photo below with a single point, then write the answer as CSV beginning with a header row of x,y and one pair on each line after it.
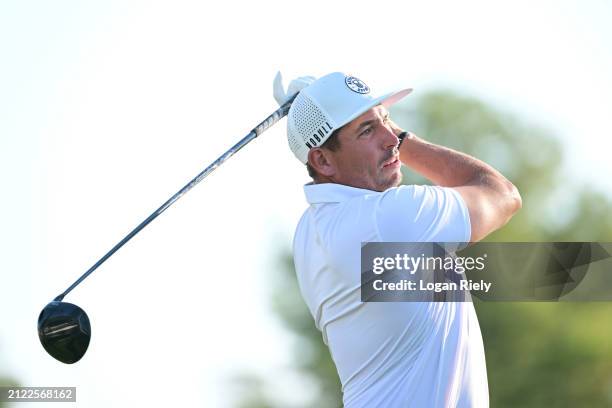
x,y
356,85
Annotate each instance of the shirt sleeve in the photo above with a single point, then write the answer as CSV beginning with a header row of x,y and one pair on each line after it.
x,y
422,214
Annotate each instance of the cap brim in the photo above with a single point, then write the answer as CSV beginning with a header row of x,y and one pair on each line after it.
x,y
393,97
386,100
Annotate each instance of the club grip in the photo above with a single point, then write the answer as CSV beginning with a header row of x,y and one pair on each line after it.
x,y
274,117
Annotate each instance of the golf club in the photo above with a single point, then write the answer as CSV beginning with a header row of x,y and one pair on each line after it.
x,y
63,328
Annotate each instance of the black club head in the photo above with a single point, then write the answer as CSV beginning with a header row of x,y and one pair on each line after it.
x,y
64,331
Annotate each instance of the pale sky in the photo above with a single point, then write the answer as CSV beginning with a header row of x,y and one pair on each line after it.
x,y
108,108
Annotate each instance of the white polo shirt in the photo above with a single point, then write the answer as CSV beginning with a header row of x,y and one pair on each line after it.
x,y
395,354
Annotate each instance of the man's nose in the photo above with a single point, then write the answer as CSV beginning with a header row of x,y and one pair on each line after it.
x,y
389,139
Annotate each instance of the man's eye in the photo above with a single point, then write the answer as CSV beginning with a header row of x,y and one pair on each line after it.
x,y
366,132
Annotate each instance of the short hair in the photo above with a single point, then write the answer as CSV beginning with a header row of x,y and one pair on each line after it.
x,y
332,143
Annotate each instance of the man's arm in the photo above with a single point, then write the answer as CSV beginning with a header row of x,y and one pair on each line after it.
x,y
490,198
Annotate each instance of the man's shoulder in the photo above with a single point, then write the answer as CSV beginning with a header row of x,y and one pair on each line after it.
x,y
409,211
422,213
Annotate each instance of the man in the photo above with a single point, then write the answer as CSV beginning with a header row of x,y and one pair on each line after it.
x,y
410,354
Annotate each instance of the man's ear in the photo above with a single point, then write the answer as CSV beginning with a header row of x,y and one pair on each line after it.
x,y
322,161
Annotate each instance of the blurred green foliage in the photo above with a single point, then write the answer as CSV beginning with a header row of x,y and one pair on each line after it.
x,y
538,354
7,382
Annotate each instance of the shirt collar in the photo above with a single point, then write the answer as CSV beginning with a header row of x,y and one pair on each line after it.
x,y
332,193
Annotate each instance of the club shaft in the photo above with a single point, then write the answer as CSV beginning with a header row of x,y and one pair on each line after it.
x,y
256,131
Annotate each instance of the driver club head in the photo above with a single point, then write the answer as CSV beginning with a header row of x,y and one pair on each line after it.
x,y
64,331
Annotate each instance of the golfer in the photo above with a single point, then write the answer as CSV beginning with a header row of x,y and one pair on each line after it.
x,y
387,354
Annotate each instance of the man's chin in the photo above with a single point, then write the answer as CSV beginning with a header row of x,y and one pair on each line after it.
x,y
400,177
397,178
393,181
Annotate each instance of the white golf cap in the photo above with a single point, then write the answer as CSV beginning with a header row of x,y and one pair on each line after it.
x,y
327,104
